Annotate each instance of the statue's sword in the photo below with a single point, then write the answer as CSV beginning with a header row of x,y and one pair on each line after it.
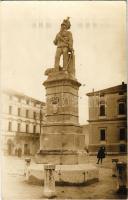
x,y
70,55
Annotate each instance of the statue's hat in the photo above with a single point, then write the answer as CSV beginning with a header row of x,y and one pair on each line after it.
x,y
67,23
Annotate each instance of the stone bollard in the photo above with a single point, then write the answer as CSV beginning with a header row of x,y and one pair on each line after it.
x,y
121,177
49,181
114,169
27,164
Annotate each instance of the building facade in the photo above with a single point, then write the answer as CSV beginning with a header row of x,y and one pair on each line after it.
x,y
21,121
85,131
108,119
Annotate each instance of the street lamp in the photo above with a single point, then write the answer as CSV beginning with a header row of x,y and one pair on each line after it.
x,y
41,116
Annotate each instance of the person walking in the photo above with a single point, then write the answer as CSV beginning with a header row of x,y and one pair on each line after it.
x,y
101,154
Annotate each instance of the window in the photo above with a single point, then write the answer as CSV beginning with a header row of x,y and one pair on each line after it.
x,y
18,127
27,128
19,111
34,115
26,149
27,101
27,112
122,134
121,108
10,126
101,95
10,110
102,134
121,93
34,129
122,148
102,110
41,115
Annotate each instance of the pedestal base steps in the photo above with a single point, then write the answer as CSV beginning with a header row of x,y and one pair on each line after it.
x,y
82,174
62,157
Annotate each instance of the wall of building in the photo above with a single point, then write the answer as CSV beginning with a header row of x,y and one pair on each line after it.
x,y
20,123
85,131
112,121
111,102
112,140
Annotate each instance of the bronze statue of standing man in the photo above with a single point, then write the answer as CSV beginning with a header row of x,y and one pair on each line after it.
x,y
64,43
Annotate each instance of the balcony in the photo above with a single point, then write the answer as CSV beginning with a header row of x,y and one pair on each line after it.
x,y
27,135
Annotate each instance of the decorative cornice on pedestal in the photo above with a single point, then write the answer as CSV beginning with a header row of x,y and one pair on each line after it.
x,y
58,152
61,78
62,124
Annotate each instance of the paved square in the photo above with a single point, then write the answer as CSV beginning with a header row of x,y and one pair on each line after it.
x,y
15,187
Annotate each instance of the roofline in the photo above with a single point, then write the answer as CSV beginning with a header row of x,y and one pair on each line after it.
x,y
21,95
106,91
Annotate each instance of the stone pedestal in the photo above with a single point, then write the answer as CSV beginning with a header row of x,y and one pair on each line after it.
x,y
114,168
27,165
61,136
49,181
121,177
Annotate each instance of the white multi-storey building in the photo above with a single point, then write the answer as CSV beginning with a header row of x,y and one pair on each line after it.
x,y
21,121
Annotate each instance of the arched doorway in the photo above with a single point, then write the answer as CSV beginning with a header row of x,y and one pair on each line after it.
x,y
19,152
26,149
10,146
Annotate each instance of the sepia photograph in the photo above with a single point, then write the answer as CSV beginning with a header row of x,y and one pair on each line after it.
x,y
63,100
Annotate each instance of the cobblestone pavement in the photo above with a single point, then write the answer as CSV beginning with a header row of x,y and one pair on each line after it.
x,y
14,186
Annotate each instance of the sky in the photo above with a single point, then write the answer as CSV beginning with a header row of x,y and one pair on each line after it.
x,y
27,33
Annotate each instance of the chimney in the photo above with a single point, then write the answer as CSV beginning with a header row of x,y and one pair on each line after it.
x,y
123,83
